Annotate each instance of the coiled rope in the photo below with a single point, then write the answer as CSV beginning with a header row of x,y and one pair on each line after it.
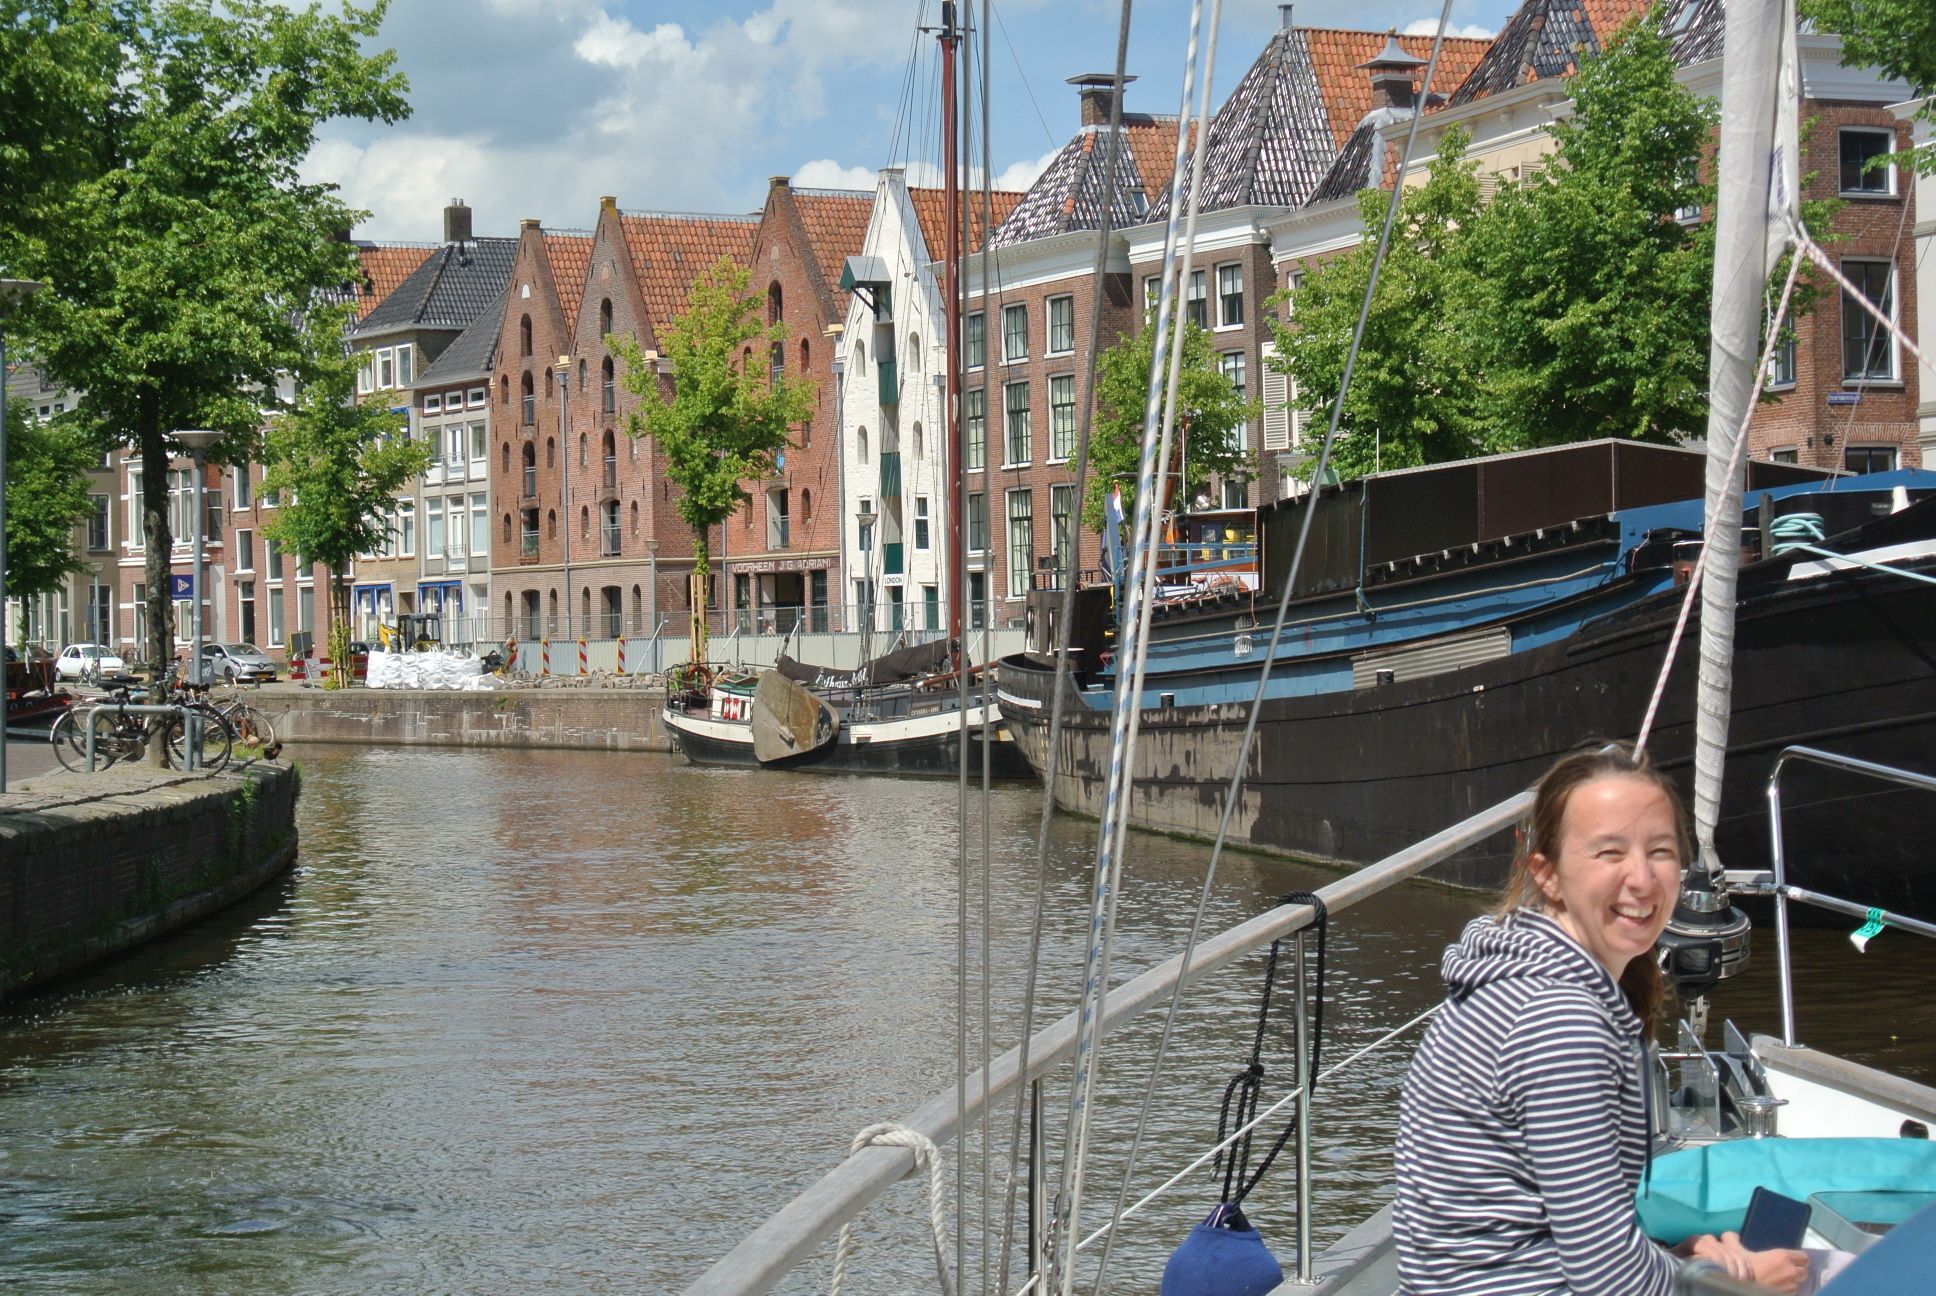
x,y
1796,531
890,1134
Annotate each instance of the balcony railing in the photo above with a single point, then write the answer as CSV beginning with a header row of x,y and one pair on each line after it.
x,y
529,549
890,475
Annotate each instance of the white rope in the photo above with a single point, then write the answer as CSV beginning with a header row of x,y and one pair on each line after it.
x,y
889,1134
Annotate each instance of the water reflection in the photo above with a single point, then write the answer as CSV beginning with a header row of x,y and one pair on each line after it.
x,y
571,1022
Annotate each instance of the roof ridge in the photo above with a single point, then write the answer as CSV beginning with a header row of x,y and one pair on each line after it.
x,y
550,231
746,218
834,193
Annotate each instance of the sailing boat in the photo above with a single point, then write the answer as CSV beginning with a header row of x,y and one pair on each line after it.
x,y
1713,1103
918,709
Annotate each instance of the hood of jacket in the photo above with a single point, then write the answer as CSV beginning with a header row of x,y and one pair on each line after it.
x,y
1530,946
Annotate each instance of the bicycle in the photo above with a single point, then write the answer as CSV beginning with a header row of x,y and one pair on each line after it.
x,y
252,729
121,735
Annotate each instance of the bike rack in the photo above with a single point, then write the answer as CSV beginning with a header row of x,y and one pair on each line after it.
x,y
191,722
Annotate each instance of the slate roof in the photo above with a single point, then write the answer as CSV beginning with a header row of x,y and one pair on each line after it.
x,y
453,284
1275,139
1068,195
670,250
385,265
835,221
1351,169
928,204
469,355
570,254
1550,38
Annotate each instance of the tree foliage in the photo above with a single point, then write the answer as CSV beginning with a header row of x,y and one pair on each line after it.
x,y
1897,36
336,466
1570,307
724,422
1208,411
183,251
47,497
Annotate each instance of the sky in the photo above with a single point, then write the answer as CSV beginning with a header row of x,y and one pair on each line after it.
x,y
536,108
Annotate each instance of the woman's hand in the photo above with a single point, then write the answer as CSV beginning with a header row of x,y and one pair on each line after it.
x,y
1781,1270
1778,1270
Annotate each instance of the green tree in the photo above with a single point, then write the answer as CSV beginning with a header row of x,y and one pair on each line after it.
x,y
336,466
1411,400
1209,411
1897,36
184,252
723,423
1588,315
47,497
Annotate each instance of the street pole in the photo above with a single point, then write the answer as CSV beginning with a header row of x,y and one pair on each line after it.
x,y
564,482
652,592
196,443
12,293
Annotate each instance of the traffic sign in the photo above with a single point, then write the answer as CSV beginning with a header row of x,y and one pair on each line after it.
x,y
181,587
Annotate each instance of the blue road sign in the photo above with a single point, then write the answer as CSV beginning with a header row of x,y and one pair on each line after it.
x,y
181,587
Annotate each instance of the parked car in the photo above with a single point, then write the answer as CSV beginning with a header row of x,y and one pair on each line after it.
x,y
87,661
237,661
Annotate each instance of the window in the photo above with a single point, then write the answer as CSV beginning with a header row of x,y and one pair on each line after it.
x,y
524,335
272,603
245,551
365,375
434,527
608,533
1196,307
976,346
306,609
1021,540
1230,295
243,487
1869,459
1868,353
1062,416
272,559
860,442
1062,324
1781,366
605,317
1015,422
1152,293
406,528
474,397
977,523
931,607
1863,174
1786,455
133,532
245,604
1062,515
975,439
454,449
608,386
386,369
529,401
1014,333
977,600
1232,365
921,522
433,403
406,365
97,522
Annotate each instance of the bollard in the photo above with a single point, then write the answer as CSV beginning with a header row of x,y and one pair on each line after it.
x,y
621,654
584,662
545,664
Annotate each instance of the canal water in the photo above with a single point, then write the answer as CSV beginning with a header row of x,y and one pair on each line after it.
x,y
574,1022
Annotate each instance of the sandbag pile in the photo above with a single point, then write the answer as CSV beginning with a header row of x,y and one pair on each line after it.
x,y
429,670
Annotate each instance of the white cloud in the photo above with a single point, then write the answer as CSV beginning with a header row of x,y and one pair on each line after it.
x,y
613,42
825,173
1020,175
1430,26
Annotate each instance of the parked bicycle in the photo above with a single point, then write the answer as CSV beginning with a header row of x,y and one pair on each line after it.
x,y
195,734
254,732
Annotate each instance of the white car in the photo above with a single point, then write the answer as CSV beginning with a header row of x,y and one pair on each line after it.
x,y
87,661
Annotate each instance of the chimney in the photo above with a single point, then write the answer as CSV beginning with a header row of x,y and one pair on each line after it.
x,y
457,222
1284,17
1392,71
778,182
530,223
1094,88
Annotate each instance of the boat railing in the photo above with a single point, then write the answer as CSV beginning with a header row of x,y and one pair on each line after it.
x,y
1774,881
791,1235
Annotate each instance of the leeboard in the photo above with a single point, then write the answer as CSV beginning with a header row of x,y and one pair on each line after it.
x,y
788,720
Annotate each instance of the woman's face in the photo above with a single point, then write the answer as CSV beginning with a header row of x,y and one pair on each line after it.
x,y
1614,883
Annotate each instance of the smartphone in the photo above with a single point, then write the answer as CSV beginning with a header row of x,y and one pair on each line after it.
x,y
1774,1222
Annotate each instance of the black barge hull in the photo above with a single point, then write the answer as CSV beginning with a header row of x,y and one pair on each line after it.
x,y
729,744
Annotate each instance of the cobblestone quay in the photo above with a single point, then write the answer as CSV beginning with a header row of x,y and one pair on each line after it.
x,y
91,865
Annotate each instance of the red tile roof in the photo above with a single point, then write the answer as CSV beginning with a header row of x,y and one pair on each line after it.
x,y
384,267
928,205
570,256
1346,87
669,252
836,225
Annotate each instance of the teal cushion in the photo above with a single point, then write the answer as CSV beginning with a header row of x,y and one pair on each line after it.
x,y
1706,1189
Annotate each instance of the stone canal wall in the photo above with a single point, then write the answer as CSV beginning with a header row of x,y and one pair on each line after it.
x,y
91,866
609,719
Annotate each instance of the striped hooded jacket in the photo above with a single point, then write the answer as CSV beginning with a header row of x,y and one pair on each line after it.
x,y
1522,1132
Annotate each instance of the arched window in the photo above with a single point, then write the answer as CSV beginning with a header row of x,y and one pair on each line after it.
x,y
860,443
860,359
605,318
581,376
529,485
504,389
611,462
552,624
806,506
917,442
524,335
914,353
776,365
507,540
504,459
584,450
806,358
547,382
584,523
551,453
510,619
551,533
635,517
530,411
638,601
585,608
609,387
774,311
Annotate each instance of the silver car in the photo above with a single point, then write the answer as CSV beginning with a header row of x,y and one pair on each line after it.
x,y
237,661
87,661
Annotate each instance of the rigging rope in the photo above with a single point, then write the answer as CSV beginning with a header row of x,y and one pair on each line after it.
x,y
926,1155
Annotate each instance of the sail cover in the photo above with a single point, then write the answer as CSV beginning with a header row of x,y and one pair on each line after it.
x,y
911,663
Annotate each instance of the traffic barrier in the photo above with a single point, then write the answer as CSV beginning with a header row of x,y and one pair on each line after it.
x,y
584,660
621,654
545,644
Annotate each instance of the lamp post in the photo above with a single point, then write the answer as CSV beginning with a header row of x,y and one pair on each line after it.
x,y
12,293
864,542
652,592
196,442
564,481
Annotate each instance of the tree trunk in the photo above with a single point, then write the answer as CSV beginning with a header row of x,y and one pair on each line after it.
x,y
701,569
158,546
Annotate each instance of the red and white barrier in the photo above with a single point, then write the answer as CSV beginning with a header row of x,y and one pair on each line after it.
x,y
545,645
584,659
621,654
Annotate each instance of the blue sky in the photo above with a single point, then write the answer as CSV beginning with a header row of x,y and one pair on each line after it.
x,y
537,107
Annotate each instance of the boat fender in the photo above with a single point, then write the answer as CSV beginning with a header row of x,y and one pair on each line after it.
x,y
1223,1256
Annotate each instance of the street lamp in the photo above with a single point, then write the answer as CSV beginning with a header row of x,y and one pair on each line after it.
x,y
864,542
12,293
197,443
564,482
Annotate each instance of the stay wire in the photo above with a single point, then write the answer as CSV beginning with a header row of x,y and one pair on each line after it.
x,y
1149,516
1063,628
1241,765
1085,404
987,728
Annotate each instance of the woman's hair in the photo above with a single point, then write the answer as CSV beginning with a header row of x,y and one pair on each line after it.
x,y
1541,832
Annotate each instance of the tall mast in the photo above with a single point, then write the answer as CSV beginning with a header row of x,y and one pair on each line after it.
x,y
951,296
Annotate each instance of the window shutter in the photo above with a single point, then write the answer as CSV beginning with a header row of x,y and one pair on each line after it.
x,y
1488,185
1529,174
1277,399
